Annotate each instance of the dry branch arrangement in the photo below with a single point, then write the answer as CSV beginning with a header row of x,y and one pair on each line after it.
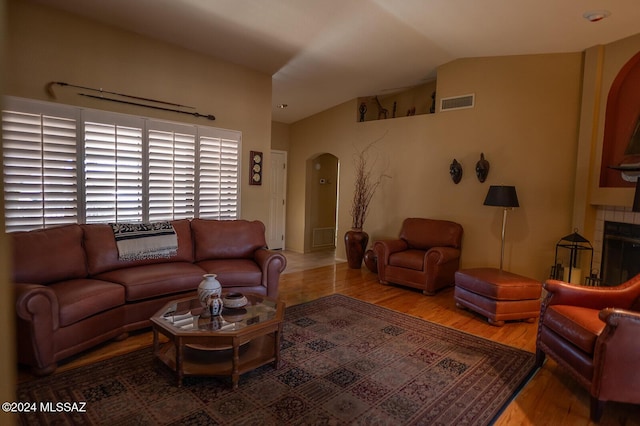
x,y
366,183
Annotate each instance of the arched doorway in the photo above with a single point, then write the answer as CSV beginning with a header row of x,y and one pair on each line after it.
x,y
321,202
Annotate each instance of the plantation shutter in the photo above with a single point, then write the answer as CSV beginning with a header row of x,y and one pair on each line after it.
x,y
219,175
171,173
65,164
40,170
113,170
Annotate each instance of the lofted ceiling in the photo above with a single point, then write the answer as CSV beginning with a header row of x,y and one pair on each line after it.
x,y
321,53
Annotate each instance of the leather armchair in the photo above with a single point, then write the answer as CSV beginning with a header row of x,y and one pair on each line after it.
x,y
425,256
594,334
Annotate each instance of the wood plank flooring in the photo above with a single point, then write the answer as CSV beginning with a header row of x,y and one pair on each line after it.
x,y
551,397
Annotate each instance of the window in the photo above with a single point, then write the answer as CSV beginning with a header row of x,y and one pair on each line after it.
x,y
219,164
40,169
70,165
112,172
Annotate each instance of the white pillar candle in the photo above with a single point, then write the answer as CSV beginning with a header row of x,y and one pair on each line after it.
x,y
576,275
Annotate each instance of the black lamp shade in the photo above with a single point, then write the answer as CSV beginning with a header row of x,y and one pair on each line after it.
x,y
502,196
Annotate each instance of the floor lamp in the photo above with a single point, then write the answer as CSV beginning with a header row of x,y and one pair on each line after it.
x,y
506,197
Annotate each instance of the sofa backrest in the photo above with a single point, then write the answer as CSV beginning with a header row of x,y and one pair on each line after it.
x,y
227,239
426,233
102,252
48,255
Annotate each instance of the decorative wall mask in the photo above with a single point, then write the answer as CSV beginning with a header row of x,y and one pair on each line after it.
x,y
482,168
455,170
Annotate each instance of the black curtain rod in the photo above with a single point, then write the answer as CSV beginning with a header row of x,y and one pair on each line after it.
x,y
60,83
195,114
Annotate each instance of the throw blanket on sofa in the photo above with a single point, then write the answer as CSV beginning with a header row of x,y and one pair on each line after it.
x,y
145,240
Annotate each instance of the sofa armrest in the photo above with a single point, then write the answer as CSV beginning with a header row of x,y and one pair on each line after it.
x,y
615,317
385,248
272,263
441,255
562,293
38,319
37,304
616,353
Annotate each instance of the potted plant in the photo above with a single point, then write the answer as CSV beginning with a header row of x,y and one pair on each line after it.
x,y
365,186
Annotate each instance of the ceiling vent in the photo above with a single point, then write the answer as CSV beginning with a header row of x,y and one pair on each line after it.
x,y
457,102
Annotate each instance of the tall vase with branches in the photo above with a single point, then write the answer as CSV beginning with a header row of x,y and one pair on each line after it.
x,y
366,183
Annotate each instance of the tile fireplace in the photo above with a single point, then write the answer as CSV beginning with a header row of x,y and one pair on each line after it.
x,y
620,252
617,245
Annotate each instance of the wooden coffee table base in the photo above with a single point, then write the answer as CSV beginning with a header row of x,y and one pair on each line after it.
x,y
238,341
196,359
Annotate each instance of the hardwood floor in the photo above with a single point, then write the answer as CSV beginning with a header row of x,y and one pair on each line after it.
x,y
551,397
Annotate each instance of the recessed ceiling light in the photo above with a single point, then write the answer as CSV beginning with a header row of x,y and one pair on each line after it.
x,y
282,106
596,15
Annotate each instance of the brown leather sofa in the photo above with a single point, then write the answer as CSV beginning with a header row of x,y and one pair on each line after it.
x,y
72,292
594,334
425,256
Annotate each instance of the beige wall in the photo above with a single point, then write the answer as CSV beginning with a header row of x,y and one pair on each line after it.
x,y
47,45
525,122
280,136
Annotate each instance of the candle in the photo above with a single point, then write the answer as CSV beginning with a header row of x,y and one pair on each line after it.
x,y
576,275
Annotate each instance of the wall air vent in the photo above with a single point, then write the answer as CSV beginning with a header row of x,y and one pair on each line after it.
x,y
323,237
457,102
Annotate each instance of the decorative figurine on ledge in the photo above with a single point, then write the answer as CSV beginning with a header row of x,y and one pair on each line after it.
x,y
383,113
482,168
455,170
363,111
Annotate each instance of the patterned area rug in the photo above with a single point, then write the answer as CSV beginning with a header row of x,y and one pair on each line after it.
x,y
344,361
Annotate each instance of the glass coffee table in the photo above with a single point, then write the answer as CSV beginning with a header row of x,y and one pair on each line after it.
x,y
238,341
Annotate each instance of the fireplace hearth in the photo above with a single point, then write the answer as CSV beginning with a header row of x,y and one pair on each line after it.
x,y
620,252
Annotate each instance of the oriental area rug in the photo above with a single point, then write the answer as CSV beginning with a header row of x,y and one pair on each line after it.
x,y
344,362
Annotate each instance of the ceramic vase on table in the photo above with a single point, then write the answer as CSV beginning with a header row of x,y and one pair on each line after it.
x,y
208,287
355,242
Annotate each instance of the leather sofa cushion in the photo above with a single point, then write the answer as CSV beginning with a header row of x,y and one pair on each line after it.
x,y
426,233
48,255
147,281
102,252
223,239
580,326
82,298
410,259
234,272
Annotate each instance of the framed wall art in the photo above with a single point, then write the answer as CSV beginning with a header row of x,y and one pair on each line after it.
x,y
255,169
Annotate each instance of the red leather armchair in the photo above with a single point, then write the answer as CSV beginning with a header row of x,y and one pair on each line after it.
x,y
594,333
425,256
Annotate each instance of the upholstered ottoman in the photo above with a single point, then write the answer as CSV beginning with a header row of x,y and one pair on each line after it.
x,y
498,295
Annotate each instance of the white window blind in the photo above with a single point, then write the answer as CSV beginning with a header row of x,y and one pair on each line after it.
x,y
72,165
113,173
219,179
172,173
40,170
